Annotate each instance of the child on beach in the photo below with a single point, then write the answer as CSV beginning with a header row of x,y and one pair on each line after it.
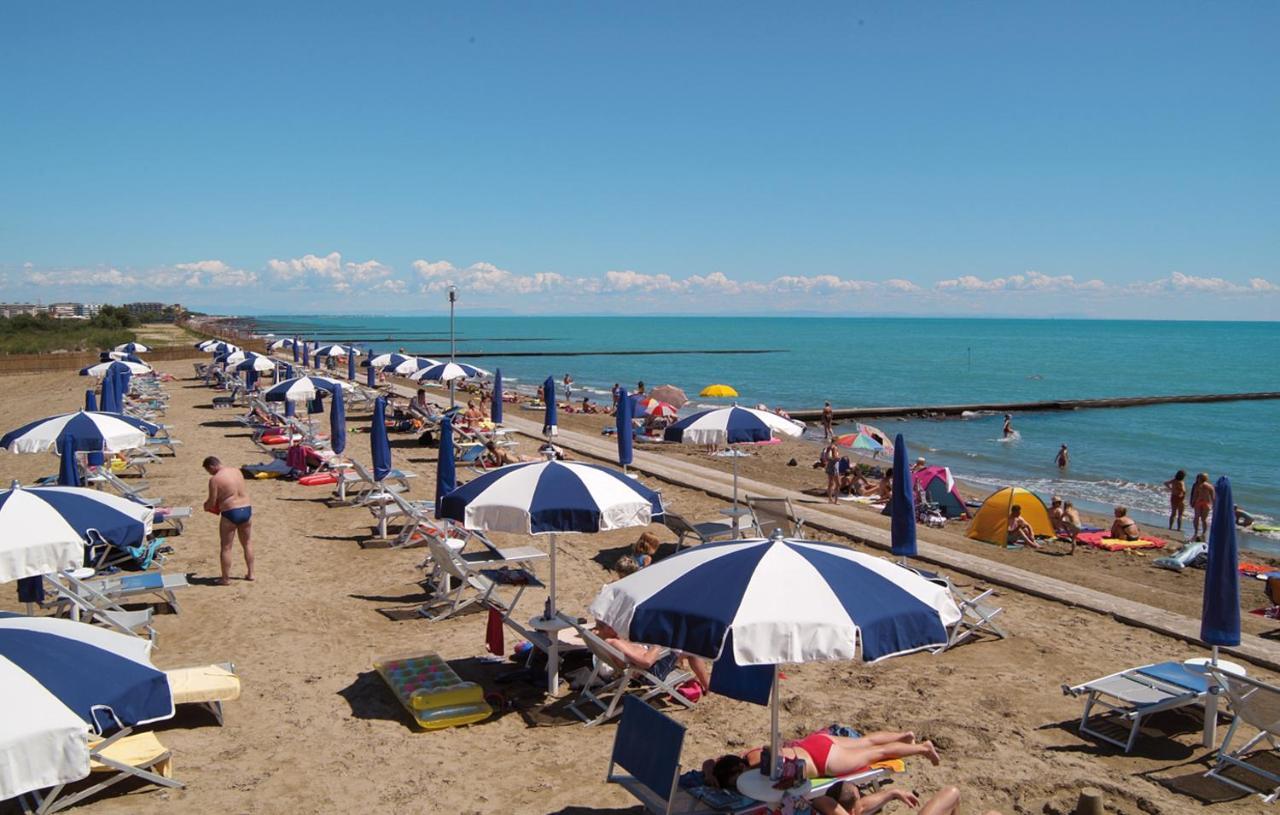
x,y
1201,502
1177,497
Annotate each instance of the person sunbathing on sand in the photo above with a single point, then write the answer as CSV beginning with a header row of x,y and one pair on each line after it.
x,y
847,799
495,456
1019,532
824,755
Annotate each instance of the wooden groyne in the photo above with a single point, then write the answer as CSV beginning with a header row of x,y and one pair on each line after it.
x,y
815,414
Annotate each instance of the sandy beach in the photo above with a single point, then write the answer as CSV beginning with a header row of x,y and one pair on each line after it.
x,y
316,730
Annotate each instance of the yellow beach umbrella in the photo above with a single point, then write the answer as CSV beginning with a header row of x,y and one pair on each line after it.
x,y
718,391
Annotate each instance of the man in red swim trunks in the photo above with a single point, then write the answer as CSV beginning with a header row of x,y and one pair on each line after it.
x,y
230,500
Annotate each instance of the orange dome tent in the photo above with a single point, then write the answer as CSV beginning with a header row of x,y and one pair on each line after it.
x,y
991,522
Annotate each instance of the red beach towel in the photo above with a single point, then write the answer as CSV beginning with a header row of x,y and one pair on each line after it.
x,y
493,634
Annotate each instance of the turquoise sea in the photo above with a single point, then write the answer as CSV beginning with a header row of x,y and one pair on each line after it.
x,y
1117,455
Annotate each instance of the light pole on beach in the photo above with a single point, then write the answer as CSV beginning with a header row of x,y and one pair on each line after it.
x,y
453,298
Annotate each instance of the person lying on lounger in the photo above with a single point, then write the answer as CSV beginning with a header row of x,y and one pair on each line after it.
x,y
495,456
824,755
651,657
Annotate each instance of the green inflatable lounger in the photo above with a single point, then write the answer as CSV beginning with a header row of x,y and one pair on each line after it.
x,y
434,695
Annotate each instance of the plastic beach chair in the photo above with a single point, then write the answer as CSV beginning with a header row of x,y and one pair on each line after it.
x,y
207,686
461,583
977,614
614,678
772,514
124,755
81,601
1131,695
127,587
1257,704
704,532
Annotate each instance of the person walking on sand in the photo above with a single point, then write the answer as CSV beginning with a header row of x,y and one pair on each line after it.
x,y
230,501
1064,458
827,418
1201,502
1008,425
831,464
1177,497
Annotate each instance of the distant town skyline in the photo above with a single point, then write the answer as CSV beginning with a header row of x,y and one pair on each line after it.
x,y
1002,159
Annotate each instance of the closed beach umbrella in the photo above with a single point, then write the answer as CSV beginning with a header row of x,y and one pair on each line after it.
x,y
546,498
338,422
90,400
286,372
379,444
113,367
306,354
718,392
770,602
92,431
294,347
68,475
122,387
495,408
133,348
729,426
671,395
446,469
902,504
62,680
549,407
1220,612
351,364
622,423
110,400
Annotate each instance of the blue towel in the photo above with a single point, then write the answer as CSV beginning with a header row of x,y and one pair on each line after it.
x,y
693,783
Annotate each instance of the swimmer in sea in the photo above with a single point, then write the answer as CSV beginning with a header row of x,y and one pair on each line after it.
x,y
1008,425
1064,458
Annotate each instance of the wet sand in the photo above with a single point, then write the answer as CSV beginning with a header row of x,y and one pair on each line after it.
x,y
317,731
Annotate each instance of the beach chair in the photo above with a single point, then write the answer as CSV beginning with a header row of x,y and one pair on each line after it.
x,y
461,584
102,476
207,686
772,514
130,587
173,518
614,678
1131,695
645,761
103,554
355,483
71,595
704,532
124,755
1256,704
977,614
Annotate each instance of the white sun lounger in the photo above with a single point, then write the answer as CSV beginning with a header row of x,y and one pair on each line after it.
x,y
1129,696
1257,705
614,678
462,583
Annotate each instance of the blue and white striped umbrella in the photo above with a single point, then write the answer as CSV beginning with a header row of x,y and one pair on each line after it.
x,y
126,356
731,425
302,388
412,365
448,372
93,432
334,351
547,497
385,360
254,362
770,602
782,601
63,679
132,348
114,366
279,344
217,347
43,529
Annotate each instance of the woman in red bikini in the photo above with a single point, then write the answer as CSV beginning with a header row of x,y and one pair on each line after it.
x,y
825,755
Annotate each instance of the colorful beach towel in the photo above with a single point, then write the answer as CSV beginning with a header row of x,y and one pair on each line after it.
x,y
1100,540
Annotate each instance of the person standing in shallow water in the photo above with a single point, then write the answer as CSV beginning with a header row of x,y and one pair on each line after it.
x,y
1008,425
1201,502
1063,458
1177,497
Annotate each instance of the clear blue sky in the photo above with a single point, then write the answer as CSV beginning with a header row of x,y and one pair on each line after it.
x,y
199,152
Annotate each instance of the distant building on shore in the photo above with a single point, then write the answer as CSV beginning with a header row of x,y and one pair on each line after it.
x,y
14,309
73,311
138,309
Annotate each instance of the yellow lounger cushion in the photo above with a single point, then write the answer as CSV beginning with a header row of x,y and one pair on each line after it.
x,y
135,750
209,683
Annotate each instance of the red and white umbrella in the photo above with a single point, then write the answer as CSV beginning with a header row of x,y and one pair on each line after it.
x,y
654,407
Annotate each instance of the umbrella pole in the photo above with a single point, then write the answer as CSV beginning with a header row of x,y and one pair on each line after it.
x,y
737,527
553,653
1211,707
774,738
